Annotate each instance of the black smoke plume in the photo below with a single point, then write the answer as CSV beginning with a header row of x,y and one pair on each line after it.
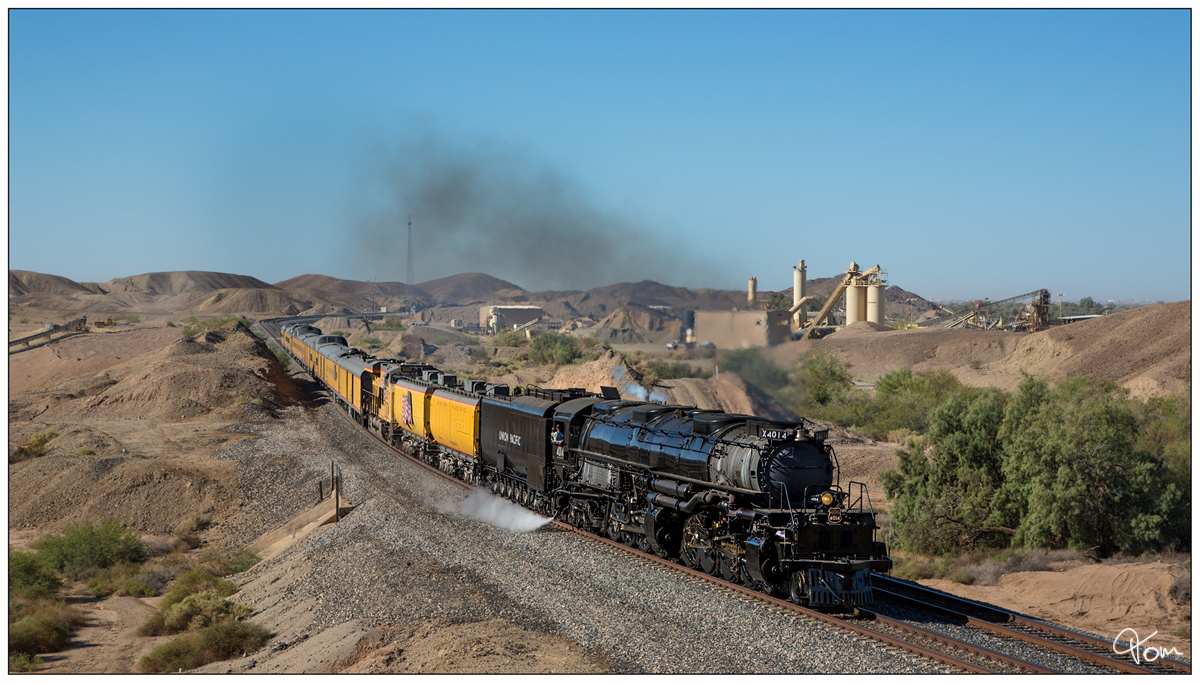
x,y
487,207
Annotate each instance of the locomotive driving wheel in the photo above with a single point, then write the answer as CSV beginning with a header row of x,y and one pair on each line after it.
x,y
729,569
798,587
710,561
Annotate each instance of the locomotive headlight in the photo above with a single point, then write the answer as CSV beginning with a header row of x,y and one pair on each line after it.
x,y
827,498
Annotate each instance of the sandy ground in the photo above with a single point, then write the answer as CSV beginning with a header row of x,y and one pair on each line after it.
x,y
46,364
1100,598
157,471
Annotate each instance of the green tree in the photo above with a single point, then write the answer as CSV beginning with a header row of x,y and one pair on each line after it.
x,y
1043,467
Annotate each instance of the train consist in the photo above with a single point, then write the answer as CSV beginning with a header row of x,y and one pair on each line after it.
x,y
753,501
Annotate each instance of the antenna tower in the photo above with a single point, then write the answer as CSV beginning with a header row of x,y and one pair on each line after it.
x,y
412,307
410,282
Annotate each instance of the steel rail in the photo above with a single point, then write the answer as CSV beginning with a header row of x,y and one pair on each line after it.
x,y
840,623
1006,615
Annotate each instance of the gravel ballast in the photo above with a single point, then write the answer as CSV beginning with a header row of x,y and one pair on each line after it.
x,y
406,554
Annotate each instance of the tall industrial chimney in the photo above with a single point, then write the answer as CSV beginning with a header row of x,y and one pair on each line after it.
x,y
752,291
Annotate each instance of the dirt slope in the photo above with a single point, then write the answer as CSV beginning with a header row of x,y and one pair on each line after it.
x,y
135,436
1146,350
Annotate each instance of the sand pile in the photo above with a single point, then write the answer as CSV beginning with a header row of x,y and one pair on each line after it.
x,y
729,392
1146,350
633,318
602,372
409,346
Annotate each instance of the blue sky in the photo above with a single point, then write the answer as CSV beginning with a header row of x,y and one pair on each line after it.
x,y
969,153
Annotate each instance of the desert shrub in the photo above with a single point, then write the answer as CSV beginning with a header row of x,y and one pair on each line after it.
x,y
156,578
218,642
962,576
479,354
136,588
27,572
83,546
195,327
282,356
153,626
509,338
105,582
988,570
85,451
24,321
199,610
192,524
195,581
24,662
371,342
553,348
37,443
38,634
132,318
390,324
919,567
223,563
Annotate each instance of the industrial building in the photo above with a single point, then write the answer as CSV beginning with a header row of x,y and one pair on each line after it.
x,y
864,301
494,319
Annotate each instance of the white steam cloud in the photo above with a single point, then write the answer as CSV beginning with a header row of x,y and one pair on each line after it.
x,y
484,506
636,390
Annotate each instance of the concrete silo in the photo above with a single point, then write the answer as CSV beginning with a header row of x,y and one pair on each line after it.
x,y
875,303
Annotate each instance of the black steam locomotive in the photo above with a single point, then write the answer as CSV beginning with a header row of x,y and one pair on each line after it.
x,y
753,501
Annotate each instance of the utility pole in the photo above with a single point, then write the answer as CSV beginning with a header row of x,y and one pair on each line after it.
x,y
1060,306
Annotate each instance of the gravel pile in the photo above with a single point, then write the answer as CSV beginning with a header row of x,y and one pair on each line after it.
x,y
406,555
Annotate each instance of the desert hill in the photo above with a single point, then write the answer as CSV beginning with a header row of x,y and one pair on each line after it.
x,y
470,288
169,294
182,282
22,282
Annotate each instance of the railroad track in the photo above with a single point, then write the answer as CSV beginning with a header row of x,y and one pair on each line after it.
x,y
957,654
1018,628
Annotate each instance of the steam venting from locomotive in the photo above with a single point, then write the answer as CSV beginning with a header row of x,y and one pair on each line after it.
x,y
494,510
490,207
635,390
